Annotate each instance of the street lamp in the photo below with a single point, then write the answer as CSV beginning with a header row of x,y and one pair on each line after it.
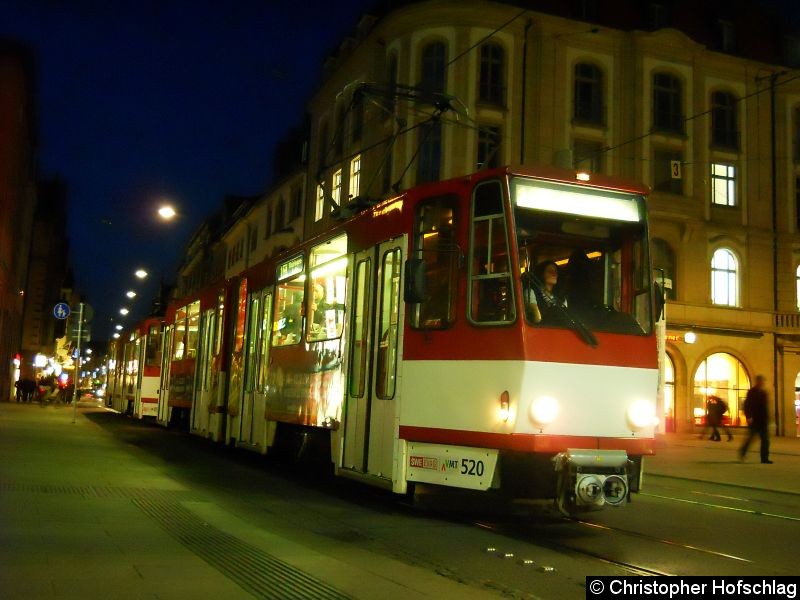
x,y
141,273
130,294
167,212
123,311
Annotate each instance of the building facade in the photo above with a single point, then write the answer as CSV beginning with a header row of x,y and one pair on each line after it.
x,y
47,273
17,200
700,104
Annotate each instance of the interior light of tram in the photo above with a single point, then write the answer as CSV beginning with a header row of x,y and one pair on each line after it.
x,y
586,203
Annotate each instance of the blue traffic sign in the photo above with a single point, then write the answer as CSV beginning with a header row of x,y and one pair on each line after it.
x,y
61,310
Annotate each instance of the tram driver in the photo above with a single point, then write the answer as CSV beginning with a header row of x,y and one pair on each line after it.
x,y
541,295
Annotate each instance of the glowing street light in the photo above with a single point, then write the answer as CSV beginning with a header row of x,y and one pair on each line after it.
x,y
118,327
167,212
130,294
123,311
115,336
141,273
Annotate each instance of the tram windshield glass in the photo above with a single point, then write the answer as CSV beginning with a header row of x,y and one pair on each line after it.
x,y
583,258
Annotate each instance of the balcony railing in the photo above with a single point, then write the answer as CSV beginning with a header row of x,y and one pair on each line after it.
x,y
785,321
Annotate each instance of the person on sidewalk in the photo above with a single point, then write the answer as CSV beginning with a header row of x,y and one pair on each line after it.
x,y
716,408
755,410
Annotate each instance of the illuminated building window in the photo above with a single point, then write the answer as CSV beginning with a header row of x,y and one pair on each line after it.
x,y
797,276
724,278
336,191
724,376
355,176
669,393
319,205
723,184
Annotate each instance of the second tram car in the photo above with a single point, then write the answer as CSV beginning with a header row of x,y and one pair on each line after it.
x,y
135,369
492,332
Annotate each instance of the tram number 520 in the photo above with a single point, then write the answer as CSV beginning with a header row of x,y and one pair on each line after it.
x,y
472,467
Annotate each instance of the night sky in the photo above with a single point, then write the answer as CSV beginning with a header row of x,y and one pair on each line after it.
x,y
184,100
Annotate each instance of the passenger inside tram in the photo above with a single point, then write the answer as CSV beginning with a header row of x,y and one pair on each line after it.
x,y
291,324
318,308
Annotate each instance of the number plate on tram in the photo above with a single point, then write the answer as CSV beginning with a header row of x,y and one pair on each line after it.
x,y
457,466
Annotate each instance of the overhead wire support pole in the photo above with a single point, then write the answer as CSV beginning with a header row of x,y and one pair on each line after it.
x,y
77,365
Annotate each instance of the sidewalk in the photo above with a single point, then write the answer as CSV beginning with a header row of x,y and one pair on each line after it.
x,y
91,512
685,456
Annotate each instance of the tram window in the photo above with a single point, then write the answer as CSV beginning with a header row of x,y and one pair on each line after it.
x,y
327,288
152,355
491,297
219,322
263,324
287,318
192,328
178,340
252,344
435,244
388,325
358,362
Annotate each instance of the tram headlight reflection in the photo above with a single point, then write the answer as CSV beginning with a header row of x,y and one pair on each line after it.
x,y
544,410
641,414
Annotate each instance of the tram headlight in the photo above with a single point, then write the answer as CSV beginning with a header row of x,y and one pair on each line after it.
x,y
544,410
641,414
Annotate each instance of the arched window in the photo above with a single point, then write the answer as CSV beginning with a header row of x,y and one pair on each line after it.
x,y
724,278
721,375
588,94
724,131
491,87
664,266
668,375
797,279
433,68
667,103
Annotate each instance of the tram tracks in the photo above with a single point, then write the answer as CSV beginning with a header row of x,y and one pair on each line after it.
x,y
559,546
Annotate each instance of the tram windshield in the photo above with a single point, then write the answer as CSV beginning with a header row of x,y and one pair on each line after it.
x,y
583,258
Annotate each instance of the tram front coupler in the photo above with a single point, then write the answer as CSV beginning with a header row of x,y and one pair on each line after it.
x,y
590,479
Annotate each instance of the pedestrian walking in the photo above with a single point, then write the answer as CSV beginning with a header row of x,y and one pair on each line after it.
x,y
715,417
755,410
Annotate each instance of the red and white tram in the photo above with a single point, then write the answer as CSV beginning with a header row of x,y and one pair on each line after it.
x,y
420,341
135,369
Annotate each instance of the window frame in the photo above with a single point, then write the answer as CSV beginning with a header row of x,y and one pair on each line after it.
x,y
667,92
728,179
491,74
591,85
731,276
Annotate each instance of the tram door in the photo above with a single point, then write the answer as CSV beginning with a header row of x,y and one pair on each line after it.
x,y
252,433
162,416
202,390
372,392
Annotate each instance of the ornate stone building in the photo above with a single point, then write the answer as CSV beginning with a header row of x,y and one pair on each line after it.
x,y
697,101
